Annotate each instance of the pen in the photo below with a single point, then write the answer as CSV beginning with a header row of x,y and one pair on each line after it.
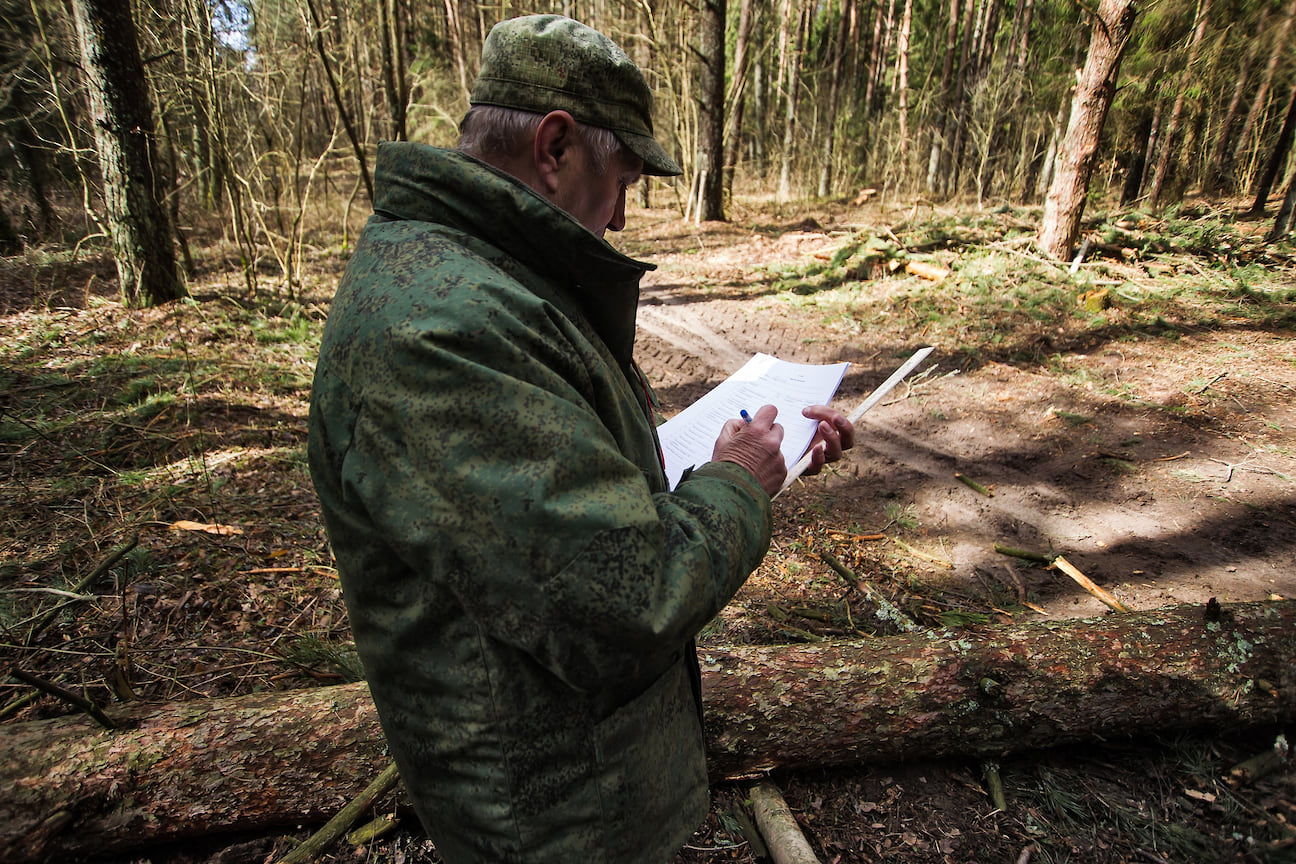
x,y
743,414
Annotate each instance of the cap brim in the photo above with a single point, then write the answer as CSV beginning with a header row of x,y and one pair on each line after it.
x,y
656,162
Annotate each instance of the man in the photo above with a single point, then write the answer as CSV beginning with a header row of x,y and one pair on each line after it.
x,y
522,586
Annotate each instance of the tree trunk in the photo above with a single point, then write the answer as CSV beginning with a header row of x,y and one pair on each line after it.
x,y
459,47
391,21
181,770
760,108
737,98
902,85
711,78
10,242
1283,219
1276,53
942,123
124,136
1023,15
317,28
877,60
1057,131
795,22
1216,158
1093,96
957,120
1167,155
30,155
1277,159
830,108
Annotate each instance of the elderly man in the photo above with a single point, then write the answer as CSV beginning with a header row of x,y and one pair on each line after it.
x,y
523,587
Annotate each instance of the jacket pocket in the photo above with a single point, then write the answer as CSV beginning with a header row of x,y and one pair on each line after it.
x,y
652,771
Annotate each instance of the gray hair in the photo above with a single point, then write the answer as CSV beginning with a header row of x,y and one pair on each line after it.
x,y
489,132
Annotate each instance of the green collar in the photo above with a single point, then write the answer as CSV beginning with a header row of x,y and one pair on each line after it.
x,y
428,184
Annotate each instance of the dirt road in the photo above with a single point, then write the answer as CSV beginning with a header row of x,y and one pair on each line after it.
x,y
1163,468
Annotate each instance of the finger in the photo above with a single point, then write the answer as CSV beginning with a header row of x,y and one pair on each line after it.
x,y
764,417
727,433
840,422
847,432
817,461
831,438
731,428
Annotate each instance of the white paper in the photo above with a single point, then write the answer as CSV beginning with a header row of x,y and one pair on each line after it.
x,y
689,437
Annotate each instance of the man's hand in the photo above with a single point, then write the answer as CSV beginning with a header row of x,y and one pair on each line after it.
x,y
835,434
755,446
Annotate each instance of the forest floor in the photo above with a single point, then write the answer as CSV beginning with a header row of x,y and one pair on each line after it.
x,y
1134,413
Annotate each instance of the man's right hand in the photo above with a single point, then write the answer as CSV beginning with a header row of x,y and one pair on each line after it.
x,y
755,446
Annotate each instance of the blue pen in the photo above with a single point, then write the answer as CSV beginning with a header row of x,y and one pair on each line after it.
x,y
743,414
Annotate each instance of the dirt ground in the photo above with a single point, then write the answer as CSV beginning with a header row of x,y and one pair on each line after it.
x,y
1178,490
1158,456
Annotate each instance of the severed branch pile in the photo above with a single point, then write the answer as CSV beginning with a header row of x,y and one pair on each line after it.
x,y
169,772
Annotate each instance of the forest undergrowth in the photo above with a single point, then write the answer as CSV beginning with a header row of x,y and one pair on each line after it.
x,y
161,539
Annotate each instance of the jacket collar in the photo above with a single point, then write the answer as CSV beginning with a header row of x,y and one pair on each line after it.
x,y
417,182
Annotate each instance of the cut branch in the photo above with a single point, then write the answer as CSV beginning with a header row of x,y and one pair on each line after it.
x,y
1089,585
782,835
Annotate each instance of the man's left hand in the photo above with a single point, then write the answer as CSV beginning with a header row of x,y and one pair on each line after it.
x,y
834,435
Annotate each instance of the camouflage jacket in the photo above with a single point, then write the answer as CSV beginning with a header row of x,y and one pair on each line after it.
x,y
522,586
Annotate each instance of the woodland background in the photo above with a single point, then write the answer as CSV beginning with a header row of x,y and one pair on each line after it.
x,y
181,184
245,116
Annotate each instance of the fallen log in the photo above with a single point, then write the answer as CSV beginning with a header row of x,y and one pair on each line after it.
x,y
996,690
176,771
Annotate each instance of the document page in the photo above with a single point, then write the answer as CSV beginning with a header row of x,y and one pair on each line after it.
x,y
688,438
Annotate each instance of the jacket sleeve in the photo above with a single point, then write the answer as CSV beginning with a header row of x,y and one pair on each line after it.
x,y
482,453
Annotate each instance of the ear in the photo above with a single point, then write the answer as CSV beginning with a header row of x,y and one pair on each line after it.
x,y
551,152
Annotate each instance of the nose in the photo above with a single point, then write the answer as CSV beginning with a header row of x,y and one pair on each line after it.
x,y
618,220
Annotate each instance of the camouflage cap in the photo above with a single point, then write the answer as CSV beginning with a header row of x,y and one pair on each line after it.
x,y
544,63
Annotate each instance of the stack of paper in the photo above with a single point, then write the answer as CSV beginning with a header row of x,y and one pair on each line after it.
x,y
688,438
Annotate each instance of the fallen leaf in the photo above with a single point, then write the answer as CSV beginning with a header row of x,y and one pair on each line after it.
x,y
205,527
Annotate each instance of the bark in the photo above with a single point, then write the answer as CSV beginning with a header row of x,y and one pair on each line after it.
x,y
339,102
711,77
1093,97
10,242
392,24
956,120
1276,53
778,827
877,58
795,25
737,98
1057,131
830,111
183,770
459,49
1167,154
1276,159
942,124
1283,219
1215,160
124,137
1022,31
902,84
760,102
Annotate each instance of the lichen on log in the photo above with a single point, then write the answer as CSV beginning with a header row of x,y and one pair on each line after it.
x,y
181,770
